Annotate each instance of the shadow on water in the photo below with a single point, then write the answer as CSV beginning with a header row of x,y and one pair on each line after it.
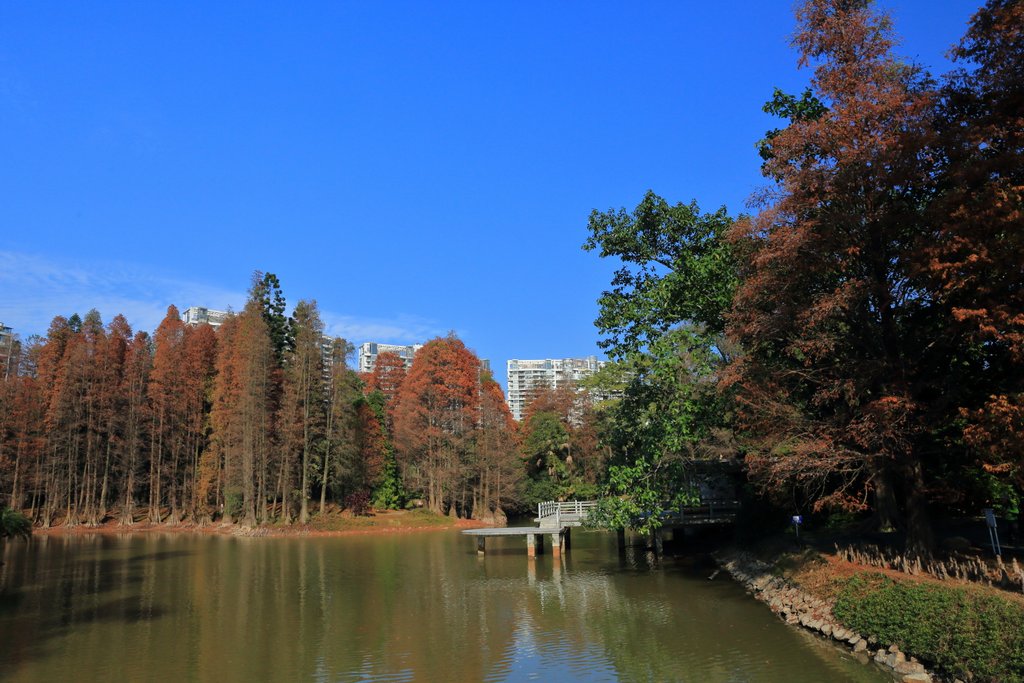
x,y
159,556
41,640
127,610
53,586
10,600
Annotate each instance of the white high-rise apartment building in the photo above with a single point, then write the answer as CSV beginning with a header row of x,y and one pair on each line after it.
x,y
8,348
528,376
6,336
197,315
369,351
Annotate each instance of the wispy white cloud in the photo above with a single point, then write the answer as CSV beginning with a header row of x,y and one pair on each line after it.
x,y
34,289
404,329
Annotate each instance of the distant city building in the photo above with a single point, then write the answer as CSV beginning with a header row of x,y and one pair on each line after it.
x,y
8,349
327,352
369,351
526,377
197,315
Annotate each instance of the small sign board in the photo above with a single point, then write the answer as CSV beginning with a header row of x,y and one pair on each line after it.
x,y
993,533
798,519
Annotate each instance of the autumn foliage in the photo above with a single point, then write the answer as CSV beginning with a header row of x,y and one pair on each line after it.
x,y
451,434
880,304
249,423
873,305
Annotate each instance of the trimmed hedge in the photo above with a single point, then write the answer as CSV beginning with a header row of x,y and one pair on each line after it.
x,y
959,630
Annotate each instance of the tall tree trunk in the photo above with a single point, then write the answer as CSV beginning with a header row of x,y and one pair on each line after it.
x,y
128,513
886,510
327,452
15,501
920,539
104,485
174,514
304,502
154,473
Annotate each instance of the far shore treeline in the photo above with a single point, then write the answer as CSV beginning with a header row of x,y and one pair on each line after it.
x,y
256,422
852,351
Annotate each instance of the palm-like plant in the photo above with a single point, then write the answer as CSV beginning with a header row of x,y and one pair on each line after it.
x,y
14,524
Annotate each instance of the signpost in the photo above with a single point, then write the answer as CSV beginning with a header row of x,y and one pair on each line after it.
x,y
993,533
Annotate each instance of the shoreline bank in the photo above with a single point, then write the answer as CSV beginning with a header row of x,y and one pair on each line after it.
x,y
959,631
800,608
381,523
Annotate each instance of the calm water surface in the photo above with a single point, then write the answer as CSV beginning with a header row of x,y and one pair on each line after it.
x,y
410,607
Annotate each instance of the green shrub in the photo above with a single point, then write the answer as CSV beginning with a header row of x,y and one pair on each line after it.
x,y
964,631
233,504
14,524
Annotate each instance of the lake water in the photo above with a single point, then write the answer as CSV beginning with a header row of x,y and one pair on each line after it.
x,y
400,607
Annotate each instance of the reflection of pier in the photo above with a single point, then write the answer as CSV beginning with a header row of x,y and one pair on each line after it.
x,y
555,519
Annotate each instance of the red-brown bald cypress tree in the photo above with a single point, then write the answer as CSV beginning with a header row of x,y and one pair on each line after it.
x,y
438,407
826,312
974,256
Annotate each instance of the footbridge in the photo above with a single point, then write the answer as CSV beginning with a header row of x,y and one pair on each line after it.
x,y
555,519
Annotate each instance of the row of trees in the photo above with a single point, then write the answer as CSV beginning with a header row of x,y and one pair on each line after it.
x,y
858,339
454,437
254,422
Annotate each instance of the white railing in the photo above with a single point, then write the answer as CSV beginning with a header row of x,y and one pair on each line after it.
x,y
555,513
571,510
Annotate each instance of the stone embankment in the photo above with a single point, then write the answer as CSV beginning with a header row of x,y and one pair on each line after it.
x,y
798,608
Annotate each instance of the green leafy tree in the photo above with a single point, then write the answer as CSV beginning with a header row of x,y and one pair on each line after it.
x,y
545,447
669,419
664,319
676,269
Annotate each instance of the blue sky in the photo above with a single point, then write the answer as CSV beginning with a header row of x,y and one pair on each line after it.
x,y
414,167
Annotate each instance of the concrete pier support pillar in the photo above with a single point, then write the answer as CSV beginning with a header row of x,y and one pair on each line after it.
x,y
480,545
534,544
556,544
567,539
657,543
